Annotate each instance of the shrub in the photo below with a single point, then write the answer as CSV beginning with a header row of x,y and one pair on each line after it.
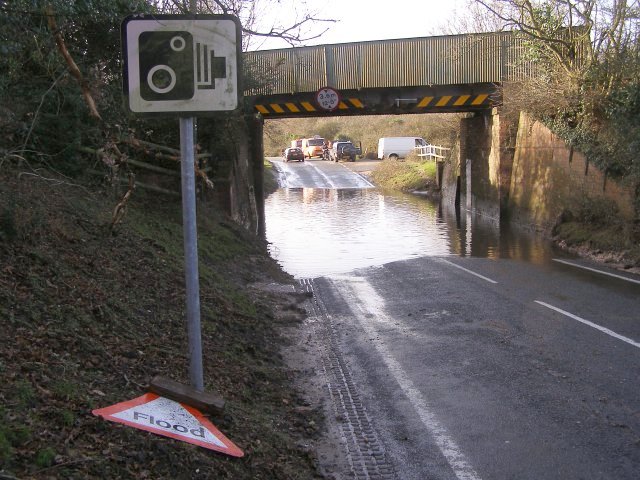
x,y
45,457
600,212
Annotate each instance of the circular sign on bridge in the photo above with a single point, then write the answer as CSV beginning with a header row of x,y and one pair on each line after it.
x,y
328,98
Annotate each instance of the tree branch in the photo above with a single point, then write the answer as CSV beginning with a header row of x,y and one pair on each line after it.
x,y
71,65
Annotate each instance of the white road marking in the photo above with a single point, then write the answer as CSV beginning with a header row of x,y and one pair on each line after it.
x,y
370,309
468,271
323,175
591,324
597,271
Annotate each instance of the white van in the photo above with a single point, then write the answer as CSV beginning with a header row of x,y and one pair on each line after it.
x,y
398,147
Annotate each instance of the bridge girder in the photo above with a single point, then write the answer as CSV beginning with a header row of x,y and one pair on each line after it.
x,y
382,101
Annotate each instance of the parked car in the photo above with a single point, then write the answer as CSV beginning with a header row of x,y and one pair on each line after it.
x,y
293,153
344,150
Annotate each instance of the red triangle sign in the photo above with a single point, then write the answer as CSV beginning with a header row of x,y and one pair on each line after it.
x,y
165,417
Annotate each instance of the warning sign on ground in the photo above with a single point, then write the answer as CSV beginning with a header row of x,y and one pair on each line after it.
x,y
165,417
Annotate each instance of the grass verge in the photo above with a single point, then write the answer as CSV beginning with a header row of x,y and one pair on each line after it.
x,y
595,229
407,176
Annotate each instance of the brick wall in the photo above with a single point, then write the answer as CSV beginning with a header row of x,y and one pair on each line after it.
x,y
548,177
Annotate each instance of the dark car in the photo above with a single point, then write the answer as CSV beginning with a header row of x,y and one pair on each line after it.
x,y
293,153
344,150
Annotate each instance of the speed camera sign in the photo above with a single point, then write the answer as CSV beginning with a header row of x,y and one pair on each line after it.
x,y
182,64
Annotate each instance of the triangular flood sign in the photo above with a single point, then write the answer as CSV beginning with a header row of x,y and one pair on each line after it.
x,y
165,417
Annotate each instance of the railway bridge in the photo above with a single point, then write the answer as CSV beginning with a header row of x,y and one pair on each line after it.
x,y
441,74
453,73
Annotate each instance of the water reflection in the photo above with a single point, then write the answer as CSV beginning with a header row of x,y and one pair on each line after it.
x,y
320,232
477,236
317,232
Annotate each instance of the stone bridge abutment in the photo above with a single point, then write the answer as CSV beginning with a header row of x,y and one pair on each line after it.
x,y
516,169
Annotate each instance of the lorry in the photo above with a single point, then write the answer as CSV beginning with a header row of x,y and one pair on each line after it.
x,y
398,147
341,150
312,147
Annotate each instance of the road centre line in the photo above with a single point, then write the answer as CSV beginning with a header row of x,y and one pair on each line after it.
x,y
468,271
369,308
323,175
591,324
596,270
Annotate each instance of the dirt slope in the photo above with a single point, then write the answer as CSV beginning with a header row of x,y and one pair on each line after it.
x,y
90,314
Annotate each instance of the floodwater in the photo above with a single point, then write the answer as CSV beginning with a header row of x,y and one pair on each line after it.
x,y
316,232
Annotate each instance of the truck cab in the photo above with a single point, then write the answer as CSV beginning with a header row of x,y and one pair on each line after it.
x,y
312,147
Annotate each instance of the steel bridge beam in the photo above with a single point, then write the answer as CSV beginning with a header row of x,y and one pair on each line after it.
x,y
381,101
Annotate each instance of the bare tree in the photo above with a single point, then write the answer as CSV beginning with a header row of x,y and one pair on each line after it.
x,y
472,19
294,24
579,37
557,28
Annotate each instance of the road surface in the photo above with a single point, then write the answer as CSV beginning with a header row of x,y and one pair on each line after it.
x,y
315,173
476,368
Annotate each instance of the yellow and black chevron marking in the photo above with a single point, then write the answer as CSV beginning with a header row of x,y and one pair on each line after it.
x,y
431,103
304,107
454,101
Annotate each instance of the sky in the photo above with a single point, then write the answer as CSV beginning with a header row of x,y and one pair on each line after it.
x,y
361,20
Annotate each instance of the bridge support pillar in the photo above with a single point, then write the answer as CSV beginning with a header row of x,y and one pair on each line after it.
x,y
237,167
256,132
486,160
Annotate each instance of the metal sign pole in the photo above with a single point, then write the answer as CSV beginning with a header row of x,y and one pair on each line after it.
x,y
190,234
156,50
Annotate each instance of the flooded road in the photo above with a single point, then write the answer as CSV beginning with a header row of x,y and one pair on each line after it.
x,y
317,229
452,349
320,232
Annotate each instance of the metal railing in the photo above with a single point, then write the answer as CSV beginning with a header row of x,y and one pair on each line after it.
x,y
433,152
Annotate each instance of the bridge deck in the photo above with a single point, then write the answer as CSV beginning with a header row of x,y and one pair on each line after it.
x,y
444,73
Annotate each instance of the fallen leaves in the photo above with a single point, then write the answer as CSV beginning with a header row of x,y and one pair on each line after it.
x,y
92,318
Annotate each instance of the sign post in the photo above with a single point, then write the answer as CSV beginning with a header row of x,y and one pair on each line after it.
x,y
184,65
190,236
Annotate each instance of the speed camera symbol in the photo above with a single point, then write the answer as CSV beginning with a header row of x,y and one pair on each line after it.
x,y
166,65
172,65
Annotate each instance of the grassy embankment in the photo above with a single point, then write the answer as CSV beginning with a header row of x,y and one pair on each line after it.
x,y
270,178
410,175
596,230
90,314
